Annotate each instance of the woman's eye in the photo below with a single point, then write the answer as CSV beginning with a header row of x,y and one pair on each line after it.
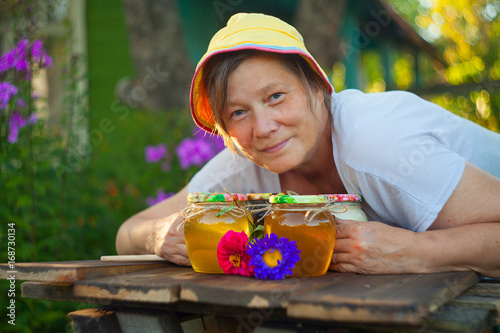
x,y
237,113
275,96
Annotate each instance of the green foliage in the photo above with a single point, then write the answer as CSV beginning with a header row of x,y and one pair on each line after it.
x,y
466,34
64,204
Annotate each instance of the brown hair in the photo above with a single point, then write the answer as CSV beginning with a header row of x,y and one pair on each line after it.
x,y
216,74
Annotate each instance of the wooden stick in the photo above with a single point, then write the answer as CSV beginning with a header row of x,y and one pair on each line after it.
x,y
137,257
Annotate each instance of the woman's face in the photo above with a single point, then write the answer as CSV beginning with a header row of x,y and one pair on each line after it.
x,y
269,118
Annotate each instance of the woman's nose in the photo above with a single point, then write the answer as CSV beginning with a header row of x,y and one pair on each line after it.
x,y
264,124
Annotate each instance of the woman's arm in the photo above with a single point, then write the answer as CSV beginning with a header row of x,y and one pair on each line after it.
x,y
464,236
155,230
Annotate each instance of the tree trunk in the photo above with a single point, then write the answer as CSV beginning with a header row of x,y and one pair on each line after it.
x,y
319,22
161,60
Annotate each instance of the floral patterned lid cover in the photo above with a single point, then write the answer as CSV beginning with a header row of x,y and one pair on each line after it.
x,y
215,197
260,196
314,199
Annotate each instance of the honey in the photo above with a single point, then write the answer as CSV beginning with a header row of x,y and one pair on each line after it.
x,y
310,225
203,229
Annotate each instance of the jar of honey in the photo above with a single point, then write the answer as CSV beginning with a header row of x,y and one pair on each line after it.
x,y
346,206
207,218
306,220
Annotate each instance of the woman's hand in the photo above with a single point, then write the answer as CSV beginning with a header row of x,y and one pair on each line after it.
x,y
374,248
464,236
169,240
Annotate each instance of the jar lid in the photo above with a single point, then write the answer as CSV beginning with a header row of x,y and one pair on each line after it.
x,y
298,199
215,197
260,196
314,199
343,197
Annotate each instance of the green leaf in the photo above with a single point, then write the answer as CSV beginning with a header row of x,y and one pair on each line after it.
x,y
224,211
258,232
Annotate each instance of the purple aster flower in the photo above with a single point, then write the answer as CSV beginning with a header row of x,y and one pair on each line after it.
x,y
21,103
160,196
7,90
154,154
273,257
16,121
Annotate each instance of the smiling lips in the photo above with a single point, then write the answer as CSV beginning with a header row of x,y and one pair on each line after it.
x,y
275,148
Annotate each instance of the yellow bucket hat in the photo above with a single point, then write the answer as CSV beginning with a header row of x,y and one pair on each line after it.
x,y
247,31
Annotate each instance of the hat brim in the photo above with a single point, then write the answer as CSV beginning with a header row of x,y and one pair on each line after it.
x,y
200,106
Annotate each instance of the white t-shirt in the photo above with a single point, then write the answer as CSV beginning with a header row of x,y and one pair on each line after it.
x,y
403,154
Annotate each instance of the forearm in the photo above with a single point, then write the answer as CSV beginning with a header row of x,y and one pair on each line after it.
x,y
467,247
136,236
141,233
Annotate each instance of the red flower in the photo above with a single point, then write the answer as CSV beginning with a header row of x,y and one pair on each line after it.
x,y
232,254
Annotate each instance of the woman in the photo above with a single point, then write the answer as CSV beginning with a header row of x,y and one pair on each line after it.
x,y
430,180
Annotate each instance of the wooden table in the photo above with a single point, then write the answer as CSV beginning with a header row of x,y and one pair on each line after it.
x,y
162,297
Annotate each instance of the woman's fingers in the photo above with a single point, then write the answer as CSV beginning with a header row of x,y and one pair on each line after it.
x,y
344,245
170,243
345,228
175,251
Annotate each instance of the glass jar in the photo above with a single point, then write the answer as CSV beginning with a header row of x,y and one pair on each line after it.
x,y
203,228
305,220
346,206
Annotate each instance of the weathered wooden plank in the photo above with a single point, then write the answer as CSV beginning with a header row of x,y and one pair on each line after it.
x,y
250,292
483,289
474,301
380,298
134,321
95,321
53,291
449,318
70,271
483,295
158,285
453,318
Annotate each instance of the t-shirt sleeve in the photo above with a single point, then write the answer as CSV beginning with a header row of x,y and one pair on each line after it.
x,y
234,173
393,149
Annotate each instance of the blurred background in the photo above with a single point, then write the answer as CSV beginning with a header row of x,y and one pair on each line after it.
x,y
94,102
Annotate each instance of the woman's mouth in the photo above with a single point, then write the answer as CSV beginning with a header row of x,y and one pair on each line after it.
x,y
275,148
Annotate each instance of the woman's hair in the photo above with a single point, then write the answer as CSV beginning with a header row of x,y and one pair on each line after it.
x,y
216,75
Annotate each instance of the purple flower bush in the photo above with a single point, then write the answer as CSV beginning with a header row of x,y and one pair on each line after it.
x,y
198,150
160,196
19,57
16,69
16,121
154,154
192,151
7,90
